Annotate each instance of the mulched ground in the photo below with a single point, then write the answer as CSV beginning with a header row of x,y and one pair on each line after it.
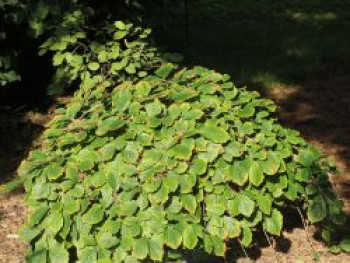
x,y
319,109
13,214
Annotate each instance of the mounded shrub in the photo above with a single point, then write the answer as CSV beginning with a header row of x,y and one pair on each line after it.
x,y
178,160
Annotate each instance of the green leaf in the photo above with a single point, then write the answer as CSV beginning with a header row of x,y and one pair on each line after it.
x,y
172,238
93,66
117,66
264,203
247,111
108,151
190,237
85,164
28,234
189,202
112,226
122,102
165,70
57,59
336,213
256,176
54,222
53,171
119,34
131,69
232,227
119,255
154,108
199,166
72,206
239,172
140,248
326,235
246,205
115,52
58,254
183,151
247,236
345,245
219,246
208,88
128,208
142,74
304,175
77,191
156,251
106,240
335,249
213,133
232,206
271,165
274,223
143,88
171,182
37,215
88,255
94,215
41,191
37,256
308,156
120,25
102,56
110,124
208,244
317,210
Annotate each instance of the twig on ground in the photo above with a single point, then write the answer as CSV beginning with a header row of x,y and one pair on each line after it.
x,y
273,249
305,224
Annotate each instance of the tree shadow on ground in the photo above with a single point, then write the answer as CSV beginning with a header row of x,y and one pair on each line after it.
x,y
23,108
17,133
295,52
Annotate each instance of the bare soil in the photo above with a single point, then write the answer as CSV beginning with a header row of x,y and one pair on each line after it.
x,y
320,110
13,214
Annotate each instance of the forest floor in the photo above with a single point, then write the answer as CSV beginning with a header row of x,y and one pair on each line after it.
x,y
296,53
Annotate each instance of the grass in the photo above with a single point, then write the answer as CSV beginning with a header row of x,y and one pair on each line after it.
x,y
262,42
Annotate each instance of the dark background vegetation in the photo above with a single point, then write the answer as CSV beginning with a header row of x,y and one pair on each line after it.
x,y
295,52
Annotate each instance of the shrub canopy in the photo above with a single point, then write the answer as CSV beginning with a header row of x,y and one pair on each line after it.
x,y
180,159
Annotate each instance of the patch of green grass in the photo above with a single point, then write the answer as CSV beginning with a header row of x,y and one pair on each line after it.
x,y
266,41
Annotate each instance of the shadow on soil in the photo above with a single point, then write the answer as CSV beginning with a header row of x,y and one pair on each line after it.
x,y
16,136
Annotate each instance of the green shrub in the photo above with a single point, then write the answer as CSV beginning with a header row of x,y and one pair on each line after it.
x,y
90,55
25,23
7,74
179,160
